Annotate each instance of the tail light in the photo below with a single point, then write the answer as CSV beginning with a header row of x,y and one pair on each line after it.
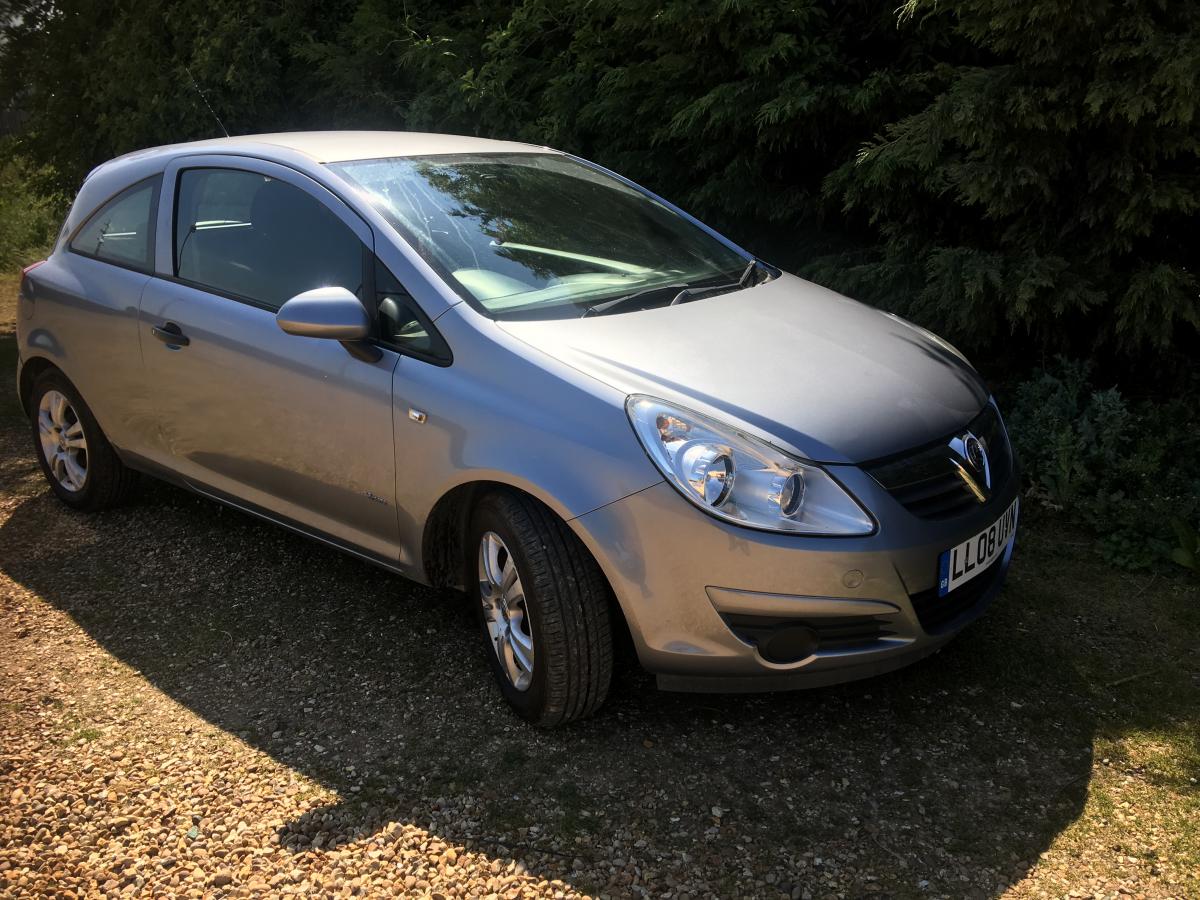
x,y
29,268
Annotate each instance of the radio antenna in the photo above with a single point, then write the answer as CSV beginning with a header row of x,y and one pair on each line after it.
x,y
206,103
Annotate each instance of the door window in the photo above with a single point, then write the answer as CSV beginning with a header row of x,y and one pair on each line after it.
x,y
121,231
260,239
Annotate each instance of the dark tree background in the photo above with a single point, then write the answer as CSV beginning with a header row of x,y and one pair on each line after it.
x,y
1020,175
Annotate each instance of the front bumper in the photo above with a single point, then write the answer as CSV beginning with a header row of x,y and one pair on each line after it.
x,y
702,596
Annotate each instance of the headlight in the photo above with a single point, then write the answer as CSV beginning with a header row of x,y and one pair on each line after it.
x,y
740,478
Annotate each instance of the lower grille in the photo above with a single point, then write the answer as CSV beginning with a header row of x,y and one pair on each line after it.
x,y
937,614
786,639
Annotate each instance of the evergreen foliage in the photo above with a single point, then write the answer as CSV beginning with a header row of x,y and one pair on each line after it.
x,y
1019,175
1052,187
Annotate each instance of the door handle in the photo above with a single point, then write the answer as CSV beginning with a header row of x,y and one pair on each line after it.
x,y
170,334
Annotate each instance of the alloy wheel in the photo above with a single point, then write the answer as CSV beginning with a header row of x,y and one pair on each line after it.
x,y
63,443
505,611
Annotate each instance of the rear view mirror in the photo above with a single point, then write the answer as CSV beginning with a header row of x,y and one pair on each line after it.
x,y
328,312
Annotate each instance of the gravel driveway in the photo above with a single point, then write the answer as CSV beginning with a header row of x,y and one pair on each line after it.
x,y
192,702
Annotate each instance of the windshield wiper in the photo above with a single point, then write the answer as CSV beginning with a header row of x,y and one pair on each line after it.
x,y
683,292
691,293
600,309
746,280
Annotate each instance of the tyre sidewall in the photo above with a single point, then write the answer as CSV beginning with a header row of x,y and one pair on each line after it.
x,y
489,516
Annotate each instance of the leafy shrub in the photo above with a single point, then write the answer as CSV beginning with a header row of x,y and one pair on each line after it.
x,y
1017,174
1187,553
1050,182
1126,470
29,218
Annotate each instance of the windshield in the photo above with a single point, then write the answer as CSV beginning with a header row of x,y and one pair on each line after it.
x,y
539,235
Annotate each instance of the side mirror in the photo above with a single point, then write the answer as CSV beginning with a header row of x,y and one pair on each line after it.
x,y
328,312
332,313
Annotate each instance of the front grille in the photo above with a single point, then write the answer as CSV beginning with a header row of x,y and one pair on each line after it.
x,y
927,482
937,614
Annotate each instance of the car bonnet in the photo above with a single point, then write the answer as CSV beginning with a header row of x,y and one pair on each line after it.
x,y
826,377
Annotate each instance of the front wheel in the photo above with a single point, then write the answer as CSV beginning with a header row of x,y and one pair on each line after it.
x,y
543,607
75,456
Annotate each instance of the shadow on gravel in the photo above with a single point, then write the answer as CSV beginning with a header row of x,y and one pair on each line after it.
x,y
968,763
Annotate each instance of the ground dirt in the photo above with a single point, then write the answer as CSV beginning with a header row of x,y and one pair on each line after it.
x,y
193,702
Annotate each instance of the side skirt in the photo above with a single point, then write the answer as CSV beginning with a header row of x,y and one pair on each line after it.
x,y
162,473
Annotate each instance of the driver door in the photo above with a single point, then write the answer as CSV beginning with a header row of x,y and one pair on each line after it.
x,y
296,428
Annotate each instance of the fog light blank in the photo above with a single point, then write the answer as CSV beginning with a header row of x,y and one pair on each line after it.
x,y
789,644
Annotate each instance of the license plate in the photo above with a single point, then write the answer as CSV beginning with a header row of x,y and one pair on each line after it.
x,y
960,564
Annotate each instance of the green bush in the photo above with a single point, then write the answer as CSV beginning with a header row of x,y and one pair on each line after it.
x,y
1015,174
1187,550
1022,176
29,217
1048,193
1125,470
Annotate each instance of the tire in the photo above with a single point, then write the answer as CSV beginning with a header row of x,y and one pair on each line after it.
x,y
563,612
105,480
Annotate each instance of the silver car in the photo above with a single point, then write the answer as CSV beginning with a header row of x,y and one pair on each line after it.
x,y
500,368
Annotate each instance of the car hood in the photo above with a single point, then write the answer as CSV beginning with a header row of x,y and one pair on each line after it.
x,y
822,375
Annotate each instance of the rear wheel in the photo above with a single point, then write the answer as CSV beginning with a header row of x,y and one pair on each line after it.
x,y
543,609
75,456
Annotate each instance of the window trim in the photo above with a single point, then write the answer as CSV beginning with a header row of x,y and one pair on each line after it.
x,y
155,194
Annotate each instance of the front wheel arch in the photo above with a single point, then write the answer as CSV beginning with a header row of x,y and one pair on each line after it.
x,y
443,547
446,525
444,538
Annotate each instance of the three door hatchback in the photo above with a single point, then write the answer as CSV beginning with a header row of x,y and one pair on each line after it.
x,y
499,368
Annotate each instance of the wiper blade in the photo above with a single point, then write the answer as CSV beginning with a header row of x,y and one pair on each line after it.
x,y
600,309
683,291
746,280
691,293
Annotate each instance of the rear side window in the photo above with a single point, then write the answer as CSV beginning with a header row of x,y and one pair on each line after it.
x,y
260,239
122,230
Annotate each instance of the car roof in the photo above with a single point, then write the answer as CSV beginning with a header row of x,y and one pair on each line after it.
x,y
306,151
339,146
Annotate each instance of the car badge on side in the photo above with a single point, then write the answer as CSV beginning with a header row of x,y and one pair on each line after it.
x,y
977,473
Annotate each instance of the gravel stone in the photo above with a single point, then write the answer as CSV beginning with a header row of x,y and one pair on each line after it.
x,y
194,703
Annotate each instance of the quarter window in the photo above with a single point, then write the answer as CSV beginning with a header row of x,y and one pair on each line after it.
x,y
260,239
401,322
121,231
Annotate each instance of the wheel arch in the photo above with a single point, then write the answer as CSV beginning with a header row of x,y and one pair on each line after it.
x,y
31,370
443,544
445,528
444,535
